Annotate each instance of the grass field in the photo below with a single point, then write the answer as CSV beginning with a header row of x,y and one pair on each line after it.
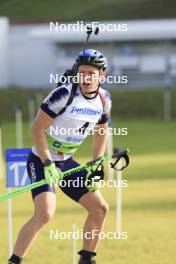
x,y
92,11
141,102
149,202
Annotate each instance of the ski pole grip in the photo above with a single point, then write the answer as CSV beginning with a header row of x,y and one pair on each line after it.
x,y
118,154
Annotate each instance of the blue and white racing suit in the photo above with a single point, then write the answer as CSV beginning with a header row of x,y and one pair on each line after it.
x,y
67,133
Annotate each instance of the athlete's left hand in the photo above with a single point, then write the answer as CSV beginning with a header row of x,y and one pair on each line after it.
x,y
94,177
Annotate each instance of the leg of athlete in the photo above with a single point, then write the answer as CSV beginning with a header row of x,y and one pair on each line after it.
x,y
45,204
97,210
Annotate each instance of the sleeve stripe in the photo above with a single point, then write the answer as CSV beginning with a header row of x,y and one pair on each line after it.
x,y
47,110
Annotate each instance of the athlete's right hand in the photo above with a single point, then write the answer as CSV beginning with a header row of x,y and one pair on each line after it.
x,y
52,174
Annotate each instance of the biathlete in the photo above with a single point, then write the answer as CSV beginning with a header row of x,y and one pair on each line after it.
x,y
82,106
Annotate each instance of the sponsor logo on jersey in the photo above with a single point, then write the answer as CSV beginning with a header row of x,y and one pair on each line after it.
x,y
85,111
74,140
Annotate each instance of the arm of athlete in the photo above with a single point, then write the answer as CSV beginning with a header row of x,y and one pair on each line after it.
x,y
99,146
41,122
100,140
100,132
100,137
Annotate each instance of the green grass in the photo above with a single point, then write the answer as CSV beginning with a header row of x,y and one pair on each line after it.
x,y
94,10
148,217
149,202
148,140
127,103
140,103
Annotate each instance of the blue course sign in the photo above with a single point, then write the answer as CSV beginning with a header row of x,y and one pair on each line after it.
x,y
16,167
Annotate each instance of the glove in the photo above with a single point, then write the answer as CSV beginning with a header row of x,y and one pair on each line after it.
x,y
52,174
93,178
